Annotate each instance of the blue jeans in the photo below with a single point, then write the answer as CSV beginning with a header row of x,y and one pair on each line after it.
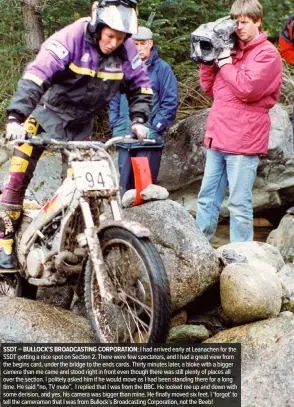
x,y
238,172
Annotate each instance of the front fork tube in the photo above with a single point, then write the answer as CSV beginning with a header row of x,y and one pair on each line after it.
x,y
115,209
106,288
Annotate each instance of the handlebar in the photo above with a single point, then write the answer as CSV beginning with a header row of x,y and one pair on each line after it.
x,y
71,145
128,139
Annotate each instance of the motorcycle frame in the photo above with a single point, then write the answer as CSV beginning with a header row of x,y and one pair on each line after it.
x,y
66,200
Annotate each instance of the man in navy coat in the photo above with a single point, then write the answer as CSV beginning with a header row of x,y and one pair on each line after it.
x,y
163,111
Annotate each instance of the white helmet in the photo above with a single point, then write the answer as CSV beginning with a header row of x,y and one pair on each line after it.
x,y
119,15
210,39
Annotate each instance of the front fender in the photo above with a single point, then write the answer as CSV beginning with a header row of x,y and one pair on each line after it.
x,y
134,227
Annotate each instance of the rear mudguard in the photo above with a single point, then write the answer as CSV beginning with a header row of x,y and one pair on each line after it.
x,y
134,227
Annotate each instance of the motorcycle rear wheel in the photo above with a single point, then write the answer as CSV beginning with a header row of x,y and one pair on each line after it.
x,y
141,311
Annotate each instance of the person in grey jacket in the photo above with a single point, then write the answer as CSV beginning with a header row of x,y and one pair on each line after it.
x,y
164,108
76,73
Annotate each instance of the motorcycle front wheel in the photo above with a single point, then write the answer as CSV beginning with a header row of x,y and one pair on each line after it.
x,y
141,310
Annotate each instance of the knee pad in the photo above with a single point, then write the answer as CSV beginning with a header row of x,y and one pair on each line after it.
x,y
9,218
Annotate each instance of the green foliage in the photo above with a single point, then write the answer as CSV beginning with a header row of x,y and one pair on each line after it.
x,y
14,55
172,21
275,14
172,25
57,14
10,25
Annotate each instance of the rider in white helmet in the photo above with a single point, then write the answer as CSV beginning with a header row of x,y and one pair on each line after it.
x,y
75,74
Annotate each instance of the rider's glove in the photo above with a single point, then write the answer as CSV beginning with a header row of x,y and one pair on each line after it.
x,y
14,129
140,131
224,57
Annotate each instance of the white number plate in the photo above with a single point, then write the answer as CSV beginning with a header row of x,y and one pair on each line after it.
x,y
93,175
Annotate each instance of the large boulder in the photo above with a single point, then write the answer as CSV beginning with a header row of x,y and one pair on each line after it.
x,y
34,321
267,360
282,238
183,157
286,275
46,179
250,293
190,261
183,162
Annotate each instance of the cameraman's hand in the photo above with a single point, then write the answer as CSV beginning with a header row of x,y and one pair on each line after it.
x,y
140,131
14,130
224,57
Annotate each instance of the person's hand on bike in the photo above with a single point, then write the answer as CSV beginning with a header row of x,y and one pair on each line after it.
x,y
14,129
140,131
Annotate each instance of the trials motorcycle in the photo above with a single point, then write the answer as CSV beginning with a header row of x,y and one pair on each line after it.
x,y
70,239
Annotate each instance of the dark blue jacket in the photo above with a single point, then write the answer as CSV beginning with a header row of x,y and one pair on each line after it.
x,y
164,103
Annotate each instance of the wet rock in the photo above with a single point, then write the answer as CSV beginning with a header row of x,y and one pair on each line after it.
x,y
267,360
78,306
288,305
230,256
129,198
212,320
190,262
179,319
153,193
256,253
249,293
206,310
183,156
59,296
188,333
286,275
256,336
282,238
46,180
27,321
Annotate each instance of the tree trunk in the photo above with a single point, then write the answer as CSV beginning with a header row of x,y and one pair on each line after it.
x,y
33,26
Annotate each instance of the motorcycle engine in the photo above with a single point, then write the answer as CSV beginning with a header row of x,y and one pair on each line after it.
x,y
40,258
35,262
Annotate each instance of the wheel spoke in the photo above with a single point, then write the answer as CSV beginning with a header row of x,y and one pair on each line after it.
x,y
136,318
128,326
134,268
145,306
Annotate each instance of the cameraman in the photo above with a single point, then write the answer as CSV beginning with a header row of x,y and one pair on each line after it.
x,y
244,87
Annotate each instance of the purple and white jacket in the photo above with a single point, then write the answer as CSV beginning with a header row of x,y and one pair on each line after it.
x,y
70,81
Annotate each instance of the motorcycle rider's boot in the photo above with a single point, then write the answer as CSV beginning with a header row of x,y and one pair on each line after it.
x,y
9,218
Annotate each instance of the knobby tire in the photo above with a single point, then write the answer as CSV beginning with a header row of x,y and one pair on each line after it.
x,y
117,325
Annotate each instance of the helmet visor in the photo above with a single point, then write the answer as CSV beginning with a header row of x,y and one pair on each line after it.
x,y
119,18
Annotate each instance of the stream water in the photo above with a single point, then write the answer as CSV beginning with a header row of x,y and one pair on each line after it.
x,y
222,234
